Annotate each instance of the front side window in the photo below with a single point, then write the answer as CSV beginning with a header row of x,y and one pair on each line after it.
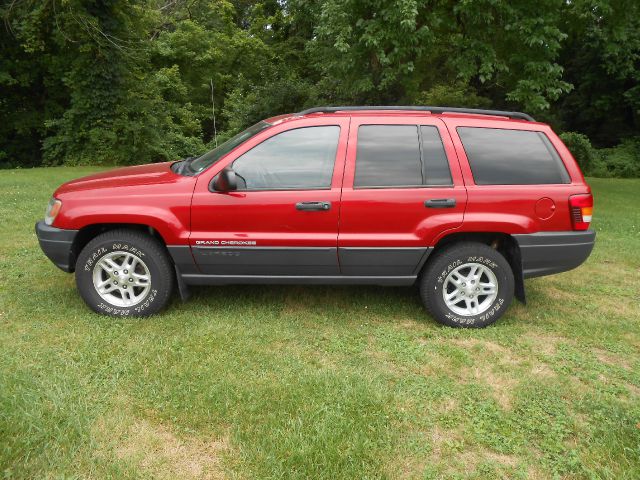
x,y
296,159
199,164
511,157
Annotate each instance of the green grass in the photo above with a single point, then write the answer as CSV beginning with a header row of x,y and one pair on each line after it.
x,y
307,382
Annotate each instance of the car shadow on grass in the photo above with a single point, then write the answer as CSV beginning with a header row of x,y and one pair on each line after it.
x,y
340,303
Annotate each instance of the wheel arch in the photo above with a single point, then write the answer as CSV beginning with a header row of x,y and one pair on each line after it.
x,y
89,232
502,242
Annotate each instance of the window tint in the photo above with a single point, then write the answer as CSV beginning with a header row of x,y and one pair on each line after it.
x,y
511,157
209,158
296,159
436,165
388,155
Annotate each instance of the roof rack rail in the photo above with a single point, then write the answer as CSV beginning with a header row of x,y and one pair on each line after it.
x,y
475,111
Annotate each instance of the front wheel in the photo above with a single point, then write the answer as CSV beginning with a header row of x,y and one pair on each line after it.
x,y
467,285
124,273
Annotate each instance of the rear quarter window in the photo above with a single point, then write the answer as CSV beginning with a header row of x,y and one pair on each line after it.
x,y
511,157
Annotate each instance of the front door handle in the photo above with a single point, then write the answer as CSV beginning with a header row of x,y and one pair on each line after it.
x,y
440,203
313,206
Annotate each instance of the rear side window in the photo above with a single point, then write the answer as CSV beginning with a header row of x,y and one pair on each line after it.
x,y
511,157
296,159
388,156
436,165
400,156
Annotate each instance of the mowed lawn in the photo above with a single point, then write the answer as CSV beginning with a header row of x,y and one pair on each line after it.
x,y
260,382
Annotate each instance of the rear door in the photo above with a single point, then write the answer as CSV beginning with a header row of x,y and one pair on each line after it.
x,y
402,189
283,219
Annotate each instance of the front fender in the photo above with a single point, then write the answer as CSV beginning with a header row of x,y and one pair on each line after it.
x,y
168,214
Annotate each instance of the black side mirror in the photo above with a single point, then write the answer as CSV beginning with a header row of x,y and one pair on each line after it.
x,y
225,181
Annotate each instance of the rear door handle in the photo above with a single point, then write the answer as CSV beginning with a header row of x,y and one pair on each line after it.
x,y
440,203
313,206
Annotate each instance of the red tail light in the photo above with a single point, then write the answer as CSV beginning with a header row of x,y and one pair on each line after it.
x,y
581,207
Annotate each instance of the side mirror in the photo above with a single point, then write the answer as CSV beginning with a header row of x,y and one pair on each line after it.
x,y
225,181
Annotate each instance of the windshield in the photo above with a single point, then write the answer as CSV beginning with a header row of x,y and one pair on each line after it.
x,y
199,164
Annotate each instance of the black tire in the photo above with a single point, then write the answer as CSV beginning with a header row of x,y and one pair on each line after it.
x,y
147,252
450,258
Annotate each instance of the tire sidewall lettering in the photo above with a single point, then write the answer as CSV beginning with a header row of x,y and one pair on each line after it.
x,y
99,252
483,260
114,310
453,265
141,307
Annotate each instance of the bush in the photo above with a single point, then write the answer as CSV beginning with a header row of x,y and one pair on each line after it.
x,y
580,147
622,161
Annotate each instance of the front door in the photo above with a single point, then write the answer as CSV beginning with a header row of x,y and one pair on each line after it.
x,y
402,189
283,218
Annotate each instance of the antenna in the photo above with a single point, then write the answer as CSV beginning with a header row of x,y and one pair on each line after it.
x,y
213,109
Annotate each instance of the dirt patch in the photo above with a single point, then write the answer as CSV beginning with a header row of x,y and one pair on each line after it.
x,y
159,453
542,370
155,451
441,443
610,359
501,385
556,293
546,344
620,306
633,390
453,457
471,460
440,440
497,372
503,355
448,406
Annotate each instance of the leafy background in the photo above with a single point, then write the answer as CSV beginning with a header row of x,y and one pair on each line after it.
x,y
107,82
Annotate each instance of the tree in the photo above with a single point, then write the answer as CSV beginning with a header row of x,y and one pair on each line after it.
x,y
129,81
388,51
602,59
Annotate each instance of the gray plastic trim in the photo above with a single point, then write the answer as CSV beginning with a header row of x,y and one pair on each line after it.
x,y
546,253
267,261
57,245
183,259
382,261
298,280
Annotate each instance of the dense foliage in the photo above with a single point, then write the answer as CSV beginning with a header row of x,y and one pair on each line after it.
x,y
132,81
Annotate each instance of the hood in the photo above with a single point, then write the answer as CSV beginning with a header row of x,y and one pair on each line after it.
x,y
153,173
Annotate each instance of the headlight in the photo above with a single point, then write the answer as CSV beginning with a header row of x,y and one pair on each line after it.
x,y
52,210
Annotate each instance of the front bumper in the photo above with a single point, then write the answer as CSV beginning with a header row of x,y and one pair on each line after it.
x,y
546,253
57,244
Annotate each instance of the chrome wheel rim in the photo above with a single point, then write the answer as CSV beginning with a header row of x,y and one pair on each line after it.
x,y
121,278
470,289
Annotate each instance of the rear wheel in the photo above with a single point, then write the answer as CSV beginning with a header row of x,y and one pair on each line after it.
x,y
467,285
124,273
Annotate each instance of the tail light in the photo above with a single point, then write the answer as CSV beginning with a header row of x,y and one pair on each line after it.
x,y
581,207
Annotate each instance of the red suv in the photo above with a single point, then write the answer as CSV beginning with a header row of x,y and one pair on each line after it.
x,y
468,203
